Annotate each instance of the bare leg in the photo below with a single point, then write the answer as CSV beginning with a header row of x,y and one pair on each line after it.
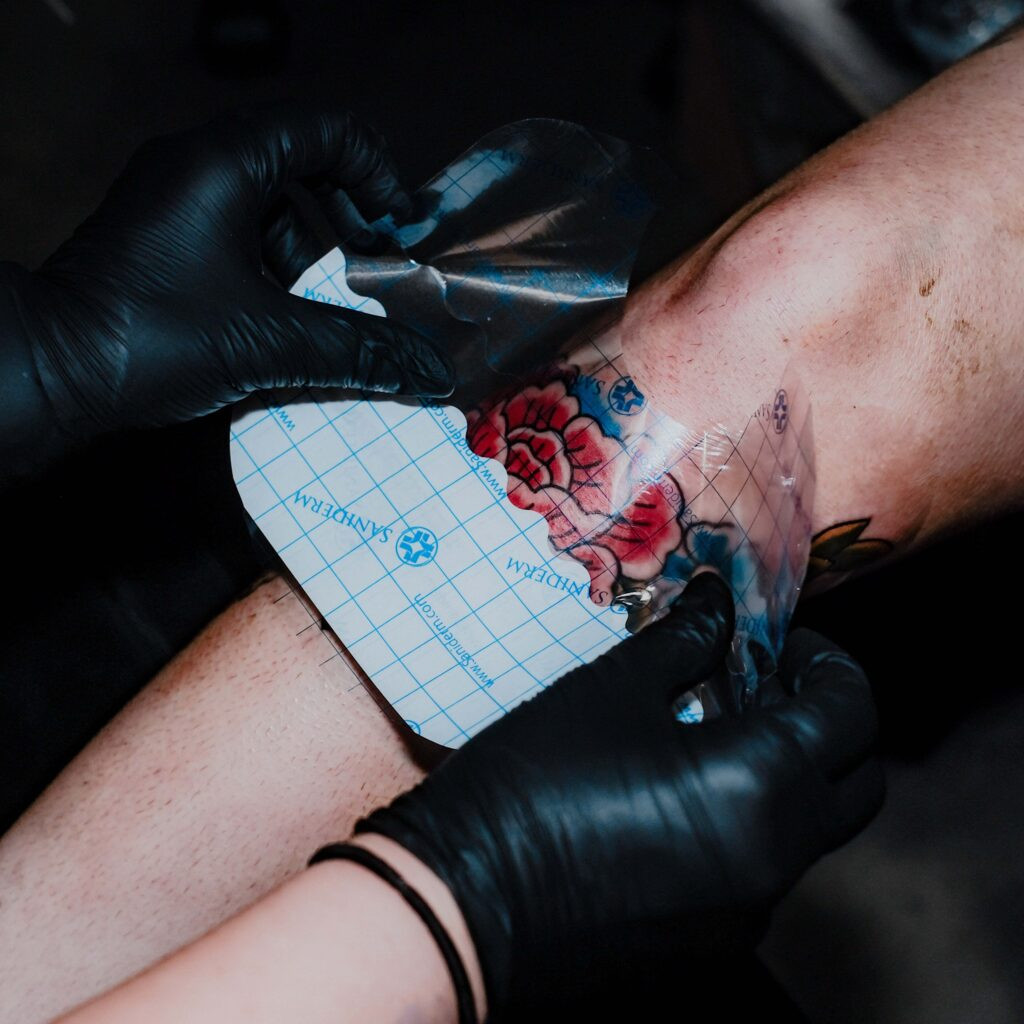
x,y
211,787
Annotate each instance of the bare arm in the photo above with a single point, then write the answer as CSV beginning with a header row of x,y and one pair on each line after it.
x,y
567,835
889,270
335,943
207,791
883,276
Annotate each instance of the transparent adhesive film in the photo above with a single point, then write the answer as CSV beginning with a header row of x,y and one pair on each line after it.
x,y
643,502
470,552
513,247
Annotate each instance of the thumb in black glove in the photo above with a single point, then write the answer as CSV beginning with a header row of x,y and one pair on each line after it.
x,y
592,840
157,310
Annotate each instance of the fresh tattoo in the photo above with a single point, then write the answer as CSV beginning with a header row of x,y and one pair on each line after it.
x,y
625,490
842,549
642,502
569,460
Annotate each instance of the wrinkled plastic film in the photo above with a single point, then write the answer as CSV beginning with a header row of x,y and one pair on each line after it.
x,y
511,249
644,502
512,255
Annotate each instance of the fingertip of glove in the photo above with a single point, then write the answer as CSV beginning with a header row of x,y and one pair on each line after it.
x,y
695,635
804,641
831,704
707,595
418,366
804,655
429,373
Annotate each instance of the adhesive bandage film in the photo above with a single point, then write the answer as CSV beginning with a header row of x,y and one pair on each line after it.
x,y
470,552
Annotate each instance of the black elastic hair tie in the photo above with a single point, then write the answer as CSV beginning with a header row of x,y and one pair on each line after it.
x,y
463,990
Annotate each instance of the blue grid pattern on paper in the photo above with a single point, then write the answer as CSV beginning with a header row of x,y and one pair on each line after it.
x,y
442,721
759,451
326,280
446,720
439,719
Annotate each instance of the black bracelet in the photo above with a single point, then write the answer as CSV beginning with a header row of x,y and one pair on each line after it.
x,y
463,990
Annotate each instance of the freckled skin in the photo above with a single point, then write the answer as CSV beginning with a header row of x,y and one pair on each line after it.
x,y
896,294
242,757
889,269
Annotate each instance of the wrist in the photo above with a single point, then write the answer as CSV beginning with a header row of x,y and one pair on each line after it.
x,y
440,900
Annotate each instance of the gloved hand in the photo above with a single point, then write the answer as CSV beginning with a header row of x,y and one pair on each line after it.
x,y
592,840
157,310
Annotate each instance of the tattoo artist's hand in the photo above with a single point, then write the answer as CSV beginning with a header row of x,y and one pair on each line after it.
x,y
157,310
592,840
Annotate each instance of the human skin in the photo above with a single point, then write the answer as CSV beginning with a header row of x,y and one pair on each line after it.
x,y
219,780
887,270
320,949
884,275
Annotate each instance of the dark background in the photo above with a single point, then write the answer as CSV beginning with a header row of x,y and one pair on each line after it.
x,y
120,559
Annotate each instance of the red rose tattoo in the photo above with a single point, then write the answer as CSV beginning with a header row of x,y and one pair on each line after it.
x,y
600,507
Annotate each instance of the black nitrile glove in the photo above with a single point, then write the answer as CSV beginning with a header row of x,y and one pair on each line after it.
x,y
157,310
592,841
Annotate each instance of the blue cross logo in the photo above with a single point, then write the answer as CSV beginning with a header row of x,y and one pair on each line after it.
x,y
416,546
780,412
625,397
